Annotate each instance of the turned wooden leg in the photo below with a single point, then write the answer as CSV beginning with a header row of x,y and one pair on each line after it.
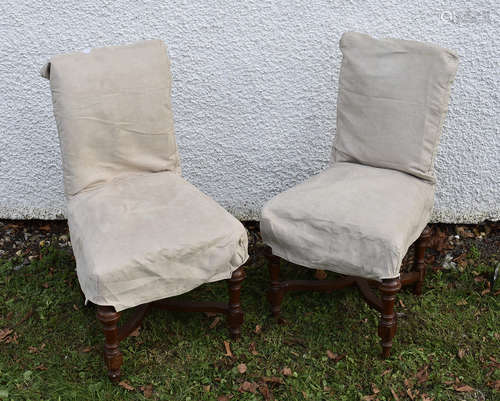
x,y
112,355
388,322
275,293
420,246
235,314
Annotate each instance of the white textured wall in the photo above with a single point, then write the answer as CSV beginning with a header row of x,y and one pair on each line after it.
x,y
255,87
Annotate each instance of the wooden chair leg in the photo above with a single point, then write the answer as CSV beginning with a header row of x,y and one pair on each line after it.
x,y
112,355
421,245
388,322
235,313
275,293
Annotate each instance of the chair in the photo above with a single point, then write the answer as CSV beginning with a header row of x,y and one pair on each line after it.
x,y
139,231
359,216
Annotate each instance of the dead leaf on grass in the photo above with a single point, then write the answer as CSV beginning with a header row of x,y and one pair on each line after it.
x,y
258,329
394,394
249,387
273,379
333,356
422,375
4,333
320,275
215,322
147,391
286,371
461,353
136,332
463,389
126,385
266,393
242,368
227,347
494,384
252,349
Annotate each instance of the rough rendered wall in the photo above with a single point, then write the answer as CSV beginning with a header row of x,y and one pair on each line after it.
x,y
255,88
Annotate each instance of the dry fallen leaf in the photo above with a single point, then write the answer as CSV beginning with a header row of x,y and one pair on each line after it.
x,y
215,322
147,391
486,291
461,353
136,332
11,339
41,367
224,397
227,346
126,385
266,393
287,371
461,302
248,387
320,275
463,389
242,368
396,398
4,333
252,349
206,388
334,356
258,329
494,384
87,349
273,379
422,375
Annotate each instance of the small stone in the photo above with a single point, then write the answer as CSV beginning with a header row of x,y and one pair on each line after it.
x,y
19,252
63,238
32,258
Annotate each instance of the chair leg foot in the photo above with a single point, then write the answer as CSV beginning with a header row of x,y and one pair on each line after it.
x,y
421,245
235,313
388,322
112,355
275,293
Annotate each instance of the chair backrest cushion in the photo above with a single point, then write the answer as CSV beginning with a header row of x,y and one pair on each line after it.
x,y
113,112
393,97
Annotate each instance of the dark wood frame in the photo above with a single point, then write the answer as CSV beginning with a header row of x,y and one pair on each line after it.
x,y
388,289
109,318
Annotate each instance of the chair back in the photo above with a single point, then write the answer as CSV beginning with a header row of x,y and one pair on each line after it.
x,y
113,113
392,101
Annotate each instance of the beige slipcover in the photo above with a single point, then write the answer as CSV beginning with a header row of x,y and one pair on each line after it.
x,y
139,231
359,216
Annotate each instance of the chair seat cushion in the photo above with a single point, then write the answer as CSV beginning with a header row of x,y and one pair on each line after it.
x,y
145,237
351,219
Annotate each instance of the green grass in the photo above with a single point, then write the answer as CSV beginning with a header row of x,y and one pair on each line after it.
x,y
54,351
